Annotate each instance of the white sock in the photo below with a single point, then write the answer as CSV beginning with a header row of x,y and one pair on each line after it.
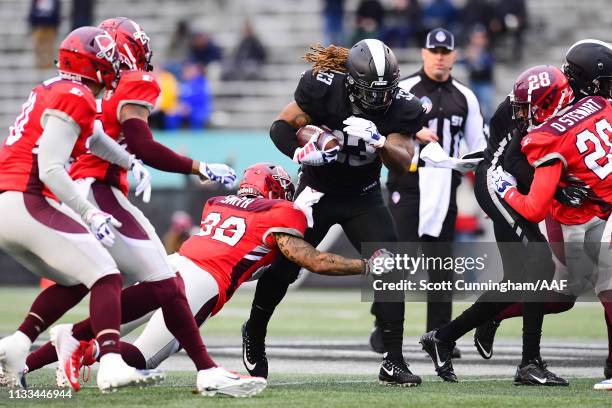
x,y
111,358
23,339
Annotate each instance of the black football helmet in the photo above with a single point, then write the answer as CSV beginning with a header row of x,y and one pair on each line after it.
x,y
588,66
373,76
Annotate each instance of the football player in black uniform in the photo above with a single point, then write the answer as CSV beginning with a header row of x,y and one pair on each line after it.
x,y
356,91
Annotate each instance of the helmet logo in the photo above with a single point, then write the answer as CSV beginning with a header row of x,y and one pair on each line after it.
x,y
379,83
107,47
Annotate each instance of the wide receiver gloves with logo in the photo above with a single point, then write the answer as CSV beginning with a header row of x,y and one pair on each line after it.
x,y
365,130
380,263
217,172
310,154
503,182
98,222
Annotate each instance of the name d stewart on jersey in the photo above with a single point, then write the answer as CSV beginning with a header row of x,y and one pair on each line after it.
x,y
565,122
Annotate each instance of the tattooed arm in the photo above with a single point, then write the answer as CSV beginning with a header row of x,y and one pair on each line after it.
x,y
282,131
324,263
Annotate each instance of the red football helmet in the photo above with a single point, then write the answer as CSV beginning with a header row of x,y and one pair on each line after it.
x,y
133,43
539,93
89,53
268,181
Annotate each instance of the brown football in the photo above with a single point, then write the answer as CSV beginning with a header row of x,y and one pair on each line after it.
x,y
325,141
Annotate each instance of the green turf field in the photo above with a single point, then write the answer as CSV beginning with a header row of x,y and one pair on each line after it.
x,y
340,391
325,313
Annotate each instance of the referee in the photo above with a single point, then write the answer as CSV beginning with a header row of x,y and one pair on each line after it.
x,y
423,202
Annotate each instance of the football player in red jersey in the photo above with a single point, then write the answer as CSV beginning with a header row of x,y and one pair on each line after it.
x,y
52,239
137,249
240,235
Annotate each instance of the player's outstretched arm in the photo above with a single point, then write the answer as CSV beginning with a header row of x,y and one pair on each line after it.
x,y
324,263
397,152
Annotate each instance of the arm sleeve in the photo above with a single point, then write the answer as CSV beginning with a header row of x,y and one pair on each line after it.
x,y
140,141
536,204
105,147
55,145
283,136
474,125
516,163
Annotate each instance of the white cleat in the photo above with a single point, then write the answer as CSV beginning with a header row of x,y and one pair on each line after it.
x,y
218,380
60,378
605,385
13,352
114,373
68,355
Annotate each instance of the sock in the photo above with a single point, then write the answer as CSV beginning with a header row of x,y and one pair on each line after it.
x,y
269,293
533,317
477,314
132,356
179,320
606,301
390,317
49,306
105,312
41,357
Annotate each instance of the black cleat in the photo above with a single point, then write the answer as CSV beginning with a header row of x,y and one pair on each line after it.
x,y
608,369
394,371
254,354
534,372
484,336
376,339
440,353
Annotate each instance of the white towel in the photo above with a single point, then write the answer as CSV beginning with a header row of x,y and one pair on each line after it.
x,y
435,190
305,200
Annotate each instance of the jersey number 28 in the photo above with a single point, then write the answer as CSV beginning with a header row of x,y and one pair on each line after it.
x,y
229,231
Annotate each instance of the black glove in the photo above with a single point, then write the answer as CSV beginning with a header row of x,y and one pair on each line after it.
x,y
573,195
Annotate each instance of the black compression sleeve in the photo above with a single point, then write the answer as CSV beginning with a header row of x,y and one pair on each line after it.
x,y
516,163
283,136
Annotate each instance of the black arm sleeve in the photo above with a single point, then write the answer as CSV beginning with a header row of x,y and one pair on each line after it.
x,y
516,163
283,136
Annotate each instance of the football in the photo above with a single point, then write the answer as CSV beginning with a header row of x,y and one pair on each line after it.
x,y
325,141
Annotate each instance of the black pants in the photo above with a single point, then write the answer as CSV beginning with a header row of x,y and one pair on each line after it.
x,y
404,206
363,219
526,257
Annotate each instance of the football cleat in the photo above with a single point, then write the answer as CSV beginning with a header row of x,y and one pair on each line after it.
x,y
254,354
394,371
440,353
13,352
534,372
484,337
218,380
376,340
69,355
608,369
605,385
114,373
60,378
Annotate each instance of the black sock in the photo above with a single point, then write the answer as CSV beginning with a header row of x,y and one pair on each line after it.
x,y
270,291
474,316
393,336
533,317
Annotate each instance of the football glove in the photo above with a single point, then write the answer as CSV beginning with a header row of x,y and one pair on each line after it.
x,y
365,130
217,172
378,264
572,195
98,222
310,154
142,177
502,181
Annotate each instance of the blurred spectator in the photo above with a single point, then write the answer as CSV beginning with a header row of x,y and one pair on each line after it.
x,y
479,12
480,64
439,13
180,229
403,24
179,47
368,21
203,49
44,19
82,13
333,15
195,100
247,59
168,102
513,15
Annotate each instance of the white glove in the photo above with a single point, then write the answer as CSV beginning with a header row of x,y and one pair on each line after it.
x,y
98,222
502,181
142,177
217,172
380,263
310,154
365,130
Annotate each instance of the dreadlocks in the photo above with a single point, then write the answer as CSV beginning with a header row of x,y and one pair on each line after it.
x,y
331,58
